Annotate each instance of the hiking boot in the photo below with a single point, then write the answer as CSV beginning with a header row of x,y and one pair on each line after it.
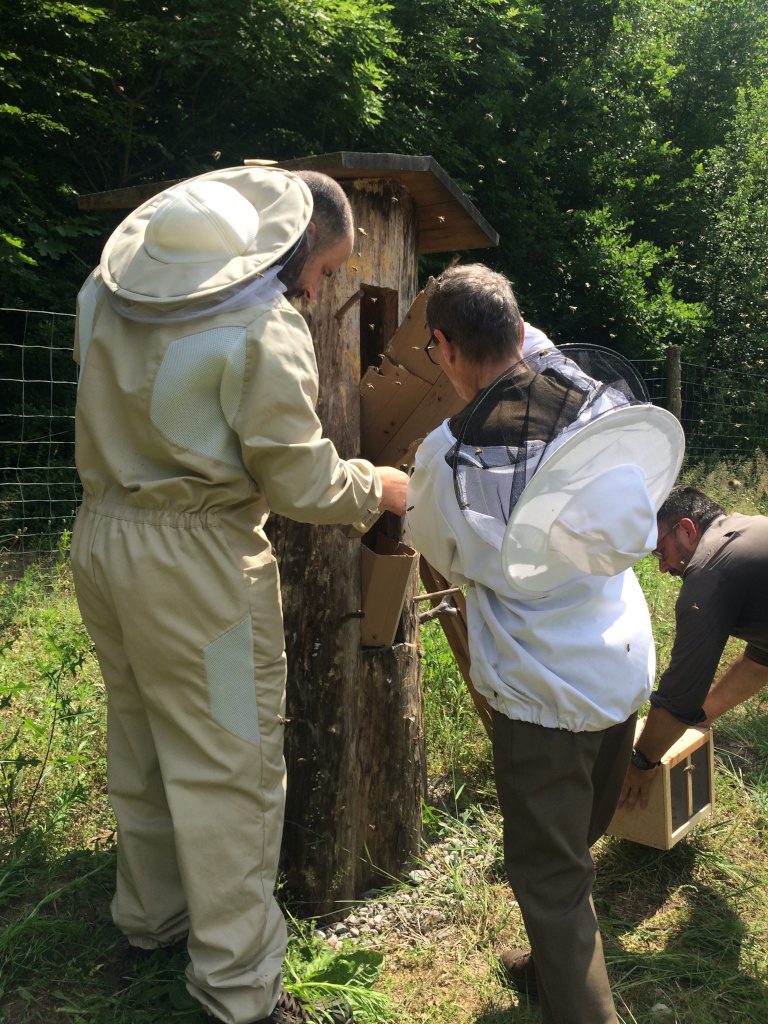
x,y
519,971
290,1010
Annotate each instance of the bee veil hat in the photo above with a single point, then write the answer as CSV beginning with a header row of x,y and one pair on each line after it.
x,y
561,463
591,507
205,239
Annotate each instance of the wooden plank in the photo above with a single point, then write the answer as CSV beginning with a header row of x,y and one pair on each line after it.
x,y
463,226
447,219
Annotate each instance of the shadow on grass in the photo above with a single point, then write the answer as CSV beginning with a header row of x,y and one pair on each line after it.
x,y
697,955
525,1013
61,957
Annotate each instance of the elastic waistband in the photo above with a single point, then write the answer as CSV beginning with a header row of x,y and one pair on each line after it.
x,y
176,518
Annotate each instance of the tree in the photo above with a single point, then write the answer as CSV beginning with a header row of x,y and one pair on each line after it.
x,y
143,91
47,86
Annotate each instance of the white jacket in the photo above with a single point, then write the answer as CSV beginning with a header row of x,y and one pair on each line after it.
x,y
580,658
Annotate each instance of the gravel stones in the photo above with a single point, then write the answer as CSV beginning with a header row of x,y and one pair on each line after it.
x,y
421,912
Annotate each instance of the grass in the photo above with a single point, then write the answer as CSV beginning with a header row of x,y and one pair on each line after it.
x,y
685,931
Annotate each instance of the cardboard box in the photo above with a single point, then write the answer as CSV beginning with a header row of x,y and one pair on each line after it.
x,y
388,396
681,796
406,397
409,341
385,573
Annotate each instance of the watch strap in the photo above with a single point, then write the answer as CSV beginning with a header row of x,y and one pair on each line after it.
x,y
639,760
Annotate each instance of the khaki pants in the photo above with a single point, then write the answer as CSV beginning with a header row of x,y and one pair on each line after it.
x,y
189,637
558,791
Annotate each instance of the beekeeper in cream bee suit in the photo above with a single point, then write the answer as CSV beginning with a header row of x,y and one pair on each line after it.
x,y
195,419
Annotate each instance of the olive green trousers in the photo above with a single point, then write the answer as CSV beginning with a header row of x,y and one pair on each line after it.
x,y
558,791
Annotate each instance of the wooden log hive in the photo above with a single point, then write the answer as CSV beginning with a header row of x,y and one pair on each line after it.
x,y
355,736
355,744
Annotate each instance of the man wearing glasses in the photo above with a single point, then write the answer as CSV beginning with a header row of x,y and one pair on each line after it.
x,y
723,562
517,497
535,343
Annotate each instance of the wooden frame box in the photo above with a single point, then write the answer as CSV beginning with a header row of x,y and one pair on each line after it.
x,y
681,796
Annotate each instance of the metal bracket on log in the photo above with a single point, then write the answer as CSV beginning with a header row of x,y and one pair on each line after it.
x,y
355,297
445,607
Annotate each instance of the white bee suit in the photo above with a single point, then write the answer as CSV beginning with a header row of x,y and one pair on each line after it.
x,y
579,658
188,433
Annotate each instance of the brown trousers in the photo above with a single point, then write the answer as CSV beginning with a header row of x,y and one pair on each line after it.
x,y
558,791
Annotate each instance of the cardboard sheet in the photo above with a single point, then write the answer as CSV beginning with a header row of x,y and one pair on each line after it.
x,y
406,397
387,394
385,574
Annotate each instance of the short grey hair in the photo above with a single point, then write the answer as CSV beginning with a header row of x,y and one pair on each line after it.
x,y
331,213
476,309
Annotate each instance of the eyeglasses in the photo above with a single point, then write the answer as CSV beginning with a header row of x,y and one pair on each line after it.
x,y
657,553
434,343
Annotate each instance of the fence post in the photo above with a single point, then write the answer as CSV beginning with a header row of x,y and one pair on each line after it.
x,y
674,382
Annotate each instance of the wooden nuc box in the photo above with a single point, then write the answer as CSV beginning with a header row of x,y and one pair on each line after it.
x,y
681,797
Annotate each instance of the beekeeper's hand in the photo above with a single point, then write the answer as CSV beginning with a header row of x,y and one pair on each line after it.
x,y
394,485
637,786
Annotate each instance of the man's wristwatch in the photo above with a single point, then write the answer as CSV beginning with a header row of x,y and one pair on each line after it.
x,y
639,760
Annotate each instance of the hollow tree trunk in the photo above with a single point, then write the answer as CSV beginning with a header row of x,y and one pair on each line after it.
x,y
355,736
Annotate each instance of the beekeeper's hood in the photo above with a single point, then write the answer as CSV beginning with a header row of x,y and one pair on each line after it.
x,y
214,242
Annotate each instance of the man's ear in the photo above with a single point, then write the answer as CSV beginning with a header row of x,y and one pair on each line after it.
x,y
449,349
311,233
690,532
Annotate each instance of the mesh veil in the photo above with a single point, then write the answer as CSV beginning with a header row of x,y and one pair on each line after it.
x,y
510,429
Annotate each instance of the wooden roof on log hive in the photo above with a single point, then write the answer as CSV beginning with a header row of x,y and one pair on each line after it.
x,y
447,218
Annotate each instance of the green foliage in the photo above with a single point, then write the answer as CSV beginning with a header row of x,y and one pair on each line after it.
x,y
94,98
617,147
316,974
51,706
633,287
683,928
457,746
47,89
59,708
728,262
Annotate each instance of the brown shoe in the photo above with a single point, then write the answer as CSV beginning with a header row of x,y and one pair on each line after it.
x,y
519,971
290,1010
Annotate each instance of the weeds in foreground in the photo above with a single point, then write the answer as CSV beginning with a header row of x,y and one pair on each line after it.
x,y
22,771
52,708
315,973
458,750
684,931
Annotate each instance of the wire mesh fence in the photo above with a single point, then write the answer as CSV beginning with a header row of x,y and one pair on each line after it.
x,y
39,488
724,414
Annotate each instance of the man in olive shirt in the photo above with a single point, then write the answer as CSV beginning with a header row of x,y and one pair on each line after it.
x,y
723,561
